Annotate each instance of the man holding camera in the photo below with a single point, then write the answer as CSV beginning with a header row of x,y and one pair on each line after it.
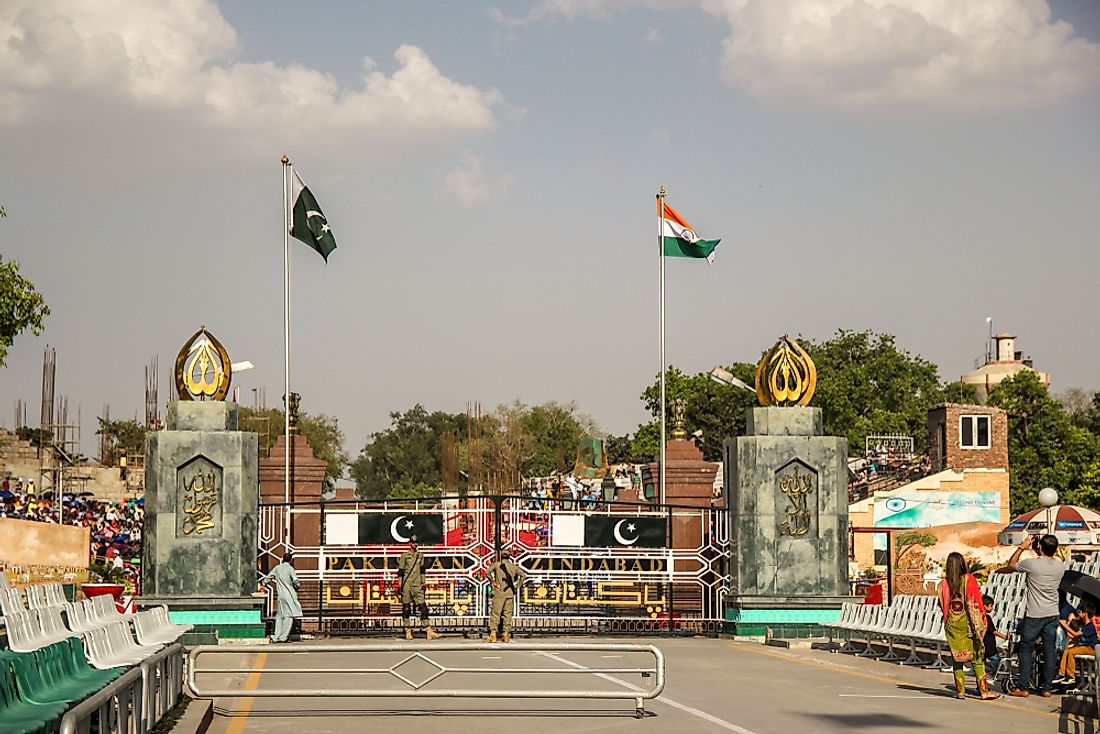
x,y
1044,574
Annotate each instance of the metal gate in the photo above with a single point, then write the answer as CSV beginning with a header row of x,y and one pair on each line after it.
x,y
608,567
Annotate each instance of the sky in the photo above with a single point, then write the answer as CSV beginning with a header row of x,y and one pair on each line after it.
x,y
489,173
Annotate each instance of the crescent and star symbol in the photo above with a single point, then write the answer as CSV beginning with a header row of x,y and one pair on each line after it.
x,y
324,222
397,533
619,533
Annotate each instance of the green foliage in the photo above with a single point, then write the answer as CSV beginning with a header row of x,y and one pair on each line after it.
x,y
21,306
1045,448
910,539
554,431
646,444
123,437
36,436
418,492
960,392
517,441
322,433
866,385
408,454
618,448
715,409
914,537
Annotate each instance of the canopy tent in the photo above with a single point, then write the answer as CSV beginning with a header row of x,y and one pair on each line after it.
x,y
1072,525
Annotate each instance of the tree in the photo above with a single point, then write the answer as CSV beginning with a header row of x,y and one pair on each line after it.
x,y
122,437
960,392
910,539
408,454
1045,448
866,385
555,430
715,409
21,307
322,433
618,448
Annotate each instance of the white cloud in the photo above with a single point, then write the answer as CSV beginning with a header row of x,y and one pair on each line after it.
x,y
470,185
179,54
894,54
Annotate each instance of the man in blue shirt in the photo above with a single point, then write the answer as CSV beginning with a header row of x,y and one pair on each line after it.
x,y
1083,644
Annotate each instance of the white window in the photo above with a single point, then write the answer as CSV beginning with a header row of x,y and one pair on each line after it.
x,y
974,431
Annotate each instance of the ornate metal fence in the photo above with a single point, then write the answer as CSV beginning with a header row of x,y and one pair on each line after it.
x,y
611,567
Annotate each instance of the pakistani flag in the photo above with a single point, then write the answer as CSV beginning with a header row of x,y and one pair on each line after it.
x,y
678,239
308,221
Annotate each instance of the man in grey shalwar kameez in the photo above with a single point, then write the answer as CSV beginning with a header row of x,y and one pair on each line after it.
x,y
286,584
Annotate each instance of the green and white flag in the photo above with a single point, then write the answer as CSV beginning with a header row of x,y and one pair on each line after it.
x,y
308,222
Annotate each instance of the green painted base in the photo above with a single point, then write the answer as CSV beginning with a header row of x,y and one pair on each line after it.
x,y
215,616
783,623
782,616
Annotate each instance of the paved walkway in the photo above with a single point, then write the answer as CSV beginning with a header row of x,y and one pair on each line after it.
x,y
711,686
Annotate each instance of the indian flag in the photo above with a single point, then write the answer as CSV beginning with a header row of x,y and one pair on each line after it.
x,y
678,238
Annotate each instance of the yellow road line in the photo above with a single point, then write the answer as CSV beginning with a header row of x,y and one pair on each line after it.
x,y
871,676
251,683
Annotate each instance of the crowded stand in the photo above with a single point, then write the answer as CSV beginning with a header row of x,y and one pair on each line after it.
x,y
58,649
115,527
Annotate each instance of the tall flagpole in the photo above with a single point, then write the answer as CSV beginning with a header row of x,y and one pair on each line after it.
x,y
286,331
661,259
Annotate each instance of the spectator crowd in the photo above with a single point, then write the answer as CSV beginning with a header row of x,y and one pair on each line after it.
x,y
567,492
115,527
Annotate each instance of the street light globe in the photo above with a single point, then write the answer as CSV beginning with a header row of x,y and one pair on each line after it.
x,y
1048,497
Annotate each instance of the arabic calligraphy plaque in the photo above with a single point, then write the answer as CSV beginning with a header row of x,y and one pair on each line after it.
x,y
796,501
199,499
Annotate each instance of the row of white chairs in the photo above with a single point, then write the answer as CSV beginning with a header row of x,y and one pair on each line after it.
x,y
108,635
34,596
917,628
911,621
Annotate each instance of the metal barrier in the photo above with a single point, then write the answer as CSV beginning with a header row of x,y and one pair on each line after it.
x,y
118,706
162,681
425,653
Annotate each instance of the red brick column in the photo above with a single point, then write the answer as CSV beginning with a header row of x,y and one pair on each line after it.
x,y
307,477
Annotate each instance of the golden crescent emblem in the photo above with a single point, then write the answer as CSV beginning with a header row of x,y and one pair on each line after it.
x,y
786,375
203,370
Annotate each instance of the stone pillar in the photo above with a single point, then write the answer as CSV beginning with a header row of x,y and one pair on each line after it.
x,y
307,479
199,550
787,486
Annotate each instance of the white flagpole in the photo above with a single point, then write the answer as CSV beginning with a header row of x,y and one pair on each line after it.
x,y
661,259
286,330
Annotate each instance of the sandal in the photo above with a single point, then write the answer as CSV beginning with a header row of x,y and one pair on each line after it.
x,y
991,696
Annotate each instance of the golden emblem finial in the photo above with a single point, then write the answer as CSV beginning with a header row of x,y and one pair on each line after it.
x,y
786,375
203,370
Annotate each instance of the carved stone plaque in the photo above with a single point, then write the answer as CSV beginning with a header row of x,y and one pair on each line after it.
x,y
199,499
796,490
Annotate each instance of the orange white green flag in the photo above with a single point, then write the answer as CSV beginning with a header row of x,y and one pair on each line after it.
x,y
678,238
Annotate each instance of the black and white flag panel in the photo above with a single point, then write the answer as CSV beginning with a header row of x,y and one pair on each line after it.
x,y
624,532
386,528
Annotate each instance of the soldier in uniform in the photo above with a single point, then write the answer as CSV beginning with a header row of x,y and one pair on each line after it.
x,y
410,576
505,579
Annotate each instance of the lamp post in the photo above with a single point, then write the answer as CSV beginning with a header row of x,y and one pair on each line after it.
x,y
1048,497
725,377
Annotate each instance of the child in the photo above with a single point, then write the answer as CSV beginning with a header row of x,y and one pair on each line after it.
x,y
989,642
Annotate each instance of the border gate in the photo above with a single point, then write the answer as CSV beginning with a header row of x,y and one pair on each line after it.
x,y
614,567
